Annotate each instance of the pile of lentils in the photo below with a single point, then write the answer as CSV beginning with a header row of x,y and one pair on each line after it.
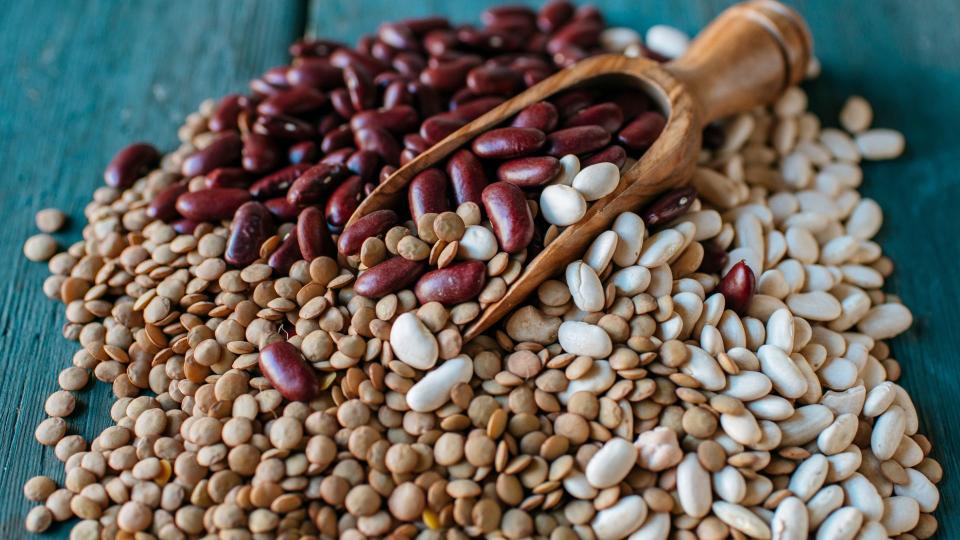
x,y
713,367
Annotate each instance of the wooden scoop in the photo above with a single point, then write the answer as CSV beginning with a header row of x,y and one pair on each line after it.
x,y
746,57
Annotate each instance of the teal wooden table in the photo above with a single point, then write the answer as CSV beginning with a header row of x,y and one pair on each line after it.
x,y
81,78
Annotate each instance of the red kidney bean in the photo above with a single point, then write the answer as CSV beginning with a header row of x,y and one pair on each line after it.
x,y
408,63
568,55
427,99
474,109
438,127
509,215
340,101
130,164
494,80
383,52
344,57
467,177
313,185
314,73
459,282
337,138
303,152
422,25
360,87
508,142
529,171
612,154
491,15
439,42
533,76
542,116
737,287
386,171
449,76
184,226
490,40
572,101
373,224
400,119
388,277
313,236
343,202
284,127
281,208
227,177
222,152
714,258
427,193
398,36
286,254
260,153
224,117
606,115
415,143
298,100
639,134
276,184
581,33
211,204
288,372
276,76
669,205
379,141
406,156
338,156
365,163
554,14
396,93
163,205
263,86
577,140
313,47
251,226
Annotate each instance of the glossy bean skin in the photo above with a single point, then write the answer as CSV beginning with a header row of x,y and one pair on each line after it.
x,y
211,204
222,152
343,202
612,154
542,116
184,226
553,15
360,86
577,140
224,117
373,224
164,204
438,127
572,101
313,235
313,185
467,177
315,73
251,226
669,205
427,193
507,209
529,171
505,143
288,372
474,109
130,164
379,141
281,208
284,127
277,184
459,282
738,286
449,76
286,254
399,119
388,277
337,138
364,163
228,177
643,131
303,152
493,80
260,153
295,101
607,115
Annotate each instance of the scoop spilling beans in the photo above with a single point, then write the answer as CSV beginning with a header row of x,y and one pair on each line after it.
x,y
714,366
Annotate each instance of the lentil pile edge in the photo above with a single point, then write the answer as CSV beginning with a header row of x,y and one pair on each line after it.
x,y
715,365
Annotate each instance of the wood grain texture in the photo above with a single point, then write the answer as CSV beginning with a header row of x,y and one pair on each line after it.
x,y
83,79
906,60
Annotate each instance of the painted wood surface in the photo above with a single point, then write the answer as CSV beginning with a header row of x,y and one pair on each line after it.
x,y
83,78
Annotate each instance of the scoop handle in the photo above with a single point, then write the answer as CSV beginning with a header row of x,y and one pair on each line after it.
x,y
746,57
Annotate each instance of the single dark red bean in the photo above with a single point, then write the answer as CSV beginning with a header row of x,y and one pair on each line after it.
x,y
737,287
406,156
313,234
519,27
415,143
490,16
365,44
396,93
459,282
365,163
408,63
669,205
288,372
340,101
338,156
388,277
272,82
222,152
360,87
251,226
164,204
339,137
211,204
224,117
554,14
400,119
227,177
529,171
439,42
313,47
427,99
511,142
607,115
379,141
343,202
373,224
303,152
184,226
449,76
542,116
260,153
296,101
582,33
588,13
467,176
284,127
474,109
281,209
399,36
462,97
535,75
568,55
577,140
385,79
314,73
383,52
612,154
427,193
572,101
524,62
130,164
494,80
277,184
438,127
344,57
286,254
422,25
507,209
490,40
315,183
643,131
714,258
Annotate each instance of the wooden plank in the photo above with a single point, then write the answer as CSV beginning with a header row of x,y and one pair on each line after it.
x,y
905,61
83,79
